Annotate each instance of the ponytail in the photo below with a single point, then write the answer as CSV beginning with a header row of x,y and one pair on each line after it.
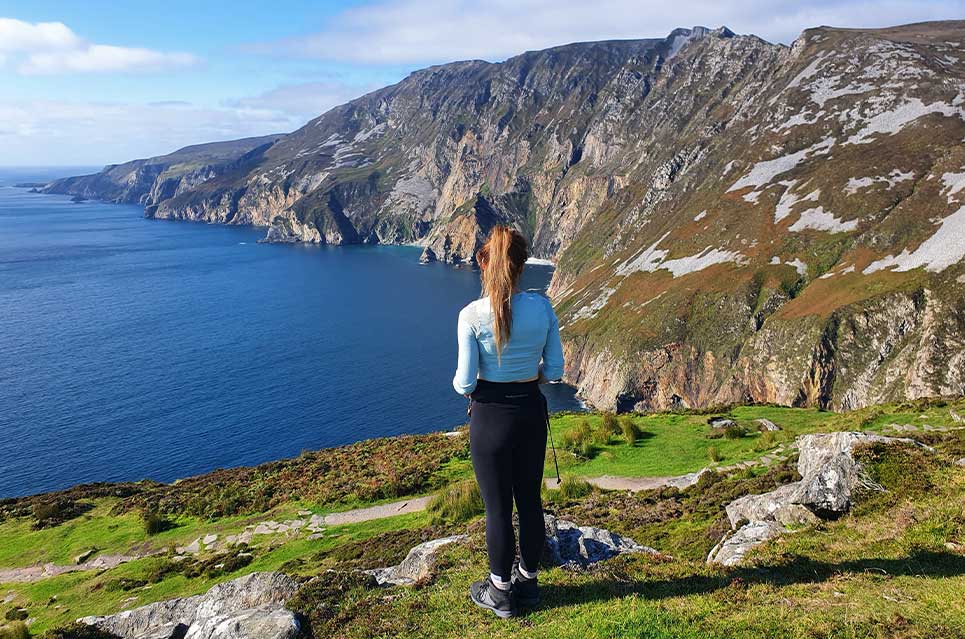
x,y
504,254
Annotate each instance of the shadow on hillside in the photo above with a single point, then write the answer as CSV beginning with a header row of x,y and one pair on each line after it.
x,y
797,570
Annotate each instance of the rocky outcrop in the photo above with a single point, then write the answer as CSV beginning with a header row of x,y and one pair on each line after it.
x,y
417,565
830,476
250,607
575,547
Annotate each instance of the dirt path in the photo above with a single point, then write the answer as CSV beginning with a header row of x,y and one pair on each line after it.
x,y
381,511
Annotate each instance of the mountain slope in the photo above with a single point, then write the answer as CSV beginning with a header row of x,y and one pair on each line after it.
x,y
733,220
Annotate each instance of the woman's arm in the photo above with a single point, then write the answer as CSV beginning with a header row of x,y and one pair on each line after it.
x,y
467,368
552,367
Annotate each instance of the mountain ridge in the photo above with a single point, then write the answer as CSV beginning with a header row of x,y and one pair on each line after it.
x,y
732,220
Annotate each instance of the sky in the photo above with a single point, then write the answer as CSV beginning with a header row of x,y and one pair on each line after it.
x,y
98,82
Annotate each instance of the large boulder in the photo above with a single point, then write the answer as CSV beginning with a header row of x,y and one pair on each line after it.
x,y
251,607
417,565
731,549
777,505
830,475
829,471
575,547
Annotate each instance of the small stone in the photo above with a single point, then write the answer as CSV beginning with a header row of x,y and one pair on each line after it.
x,y
768,425
304,513
960,462
209,539
84,556
317,535
720,422
194,547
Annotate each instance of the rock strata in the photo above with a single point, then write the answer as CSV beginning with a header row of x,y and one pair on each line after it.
x,y
250,607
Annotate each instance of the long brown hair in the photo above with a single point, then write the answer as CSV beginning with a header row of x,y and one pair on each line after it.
x,y
504,254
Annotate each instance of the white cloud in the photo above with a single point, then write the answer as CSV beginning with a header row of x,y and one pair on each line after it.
x,y
306,100
419,31
52,48
52,132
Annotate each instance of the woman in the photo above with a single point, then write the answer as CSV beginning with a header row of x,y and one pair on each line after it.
x,y
502,338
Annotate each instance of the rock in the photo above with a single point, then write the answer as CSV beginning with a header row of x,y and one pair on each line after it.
x,y
776,505
209,539
734,546
575,547
686,481
958,418
830,475
428,255
250,607
417,564
84,556
255,623
830,472
304,513
720,422
768,425
960,462
193,548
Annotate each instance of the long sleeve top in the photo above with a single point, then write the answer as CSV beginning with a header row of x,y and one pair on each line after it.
x,y
533,346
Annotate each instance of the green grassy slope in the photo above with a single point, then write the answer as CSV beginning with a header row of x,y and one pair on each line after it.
x,y
897,559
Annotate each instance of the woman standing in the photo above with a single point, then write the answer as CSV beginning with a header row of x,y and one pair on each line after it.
x,y
502,338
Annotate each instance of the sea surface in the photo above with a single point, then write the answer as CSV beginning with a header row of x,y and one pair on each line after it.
x,y
134,348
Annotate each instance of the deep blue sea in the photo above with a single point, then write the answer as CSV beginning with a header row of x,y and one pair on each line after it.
x,y
134,348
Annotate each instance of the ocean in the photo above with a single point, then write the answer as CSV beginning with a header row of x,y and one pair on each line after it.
x,y
134,349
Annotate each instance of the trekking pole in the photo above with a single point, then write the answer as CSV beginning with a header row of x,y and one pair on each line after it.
x,y
556,464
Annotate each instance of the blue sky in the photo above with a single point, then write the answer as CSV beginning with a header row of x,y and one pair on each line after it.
x,y
95,82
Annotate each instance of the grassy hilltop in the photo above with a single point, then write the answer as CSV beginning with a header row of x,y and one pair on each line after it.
x,y
892,567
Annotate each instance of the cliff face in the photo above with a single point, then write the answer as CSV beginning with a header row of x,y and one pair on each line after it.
x,y
732,220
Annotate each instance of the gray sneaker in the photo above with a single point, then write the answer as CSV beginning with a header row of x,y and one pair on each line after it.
x,y
486,595
526,589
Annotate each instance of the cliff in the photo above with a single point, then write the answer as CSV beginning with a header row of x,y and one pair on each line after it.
x,y
732,220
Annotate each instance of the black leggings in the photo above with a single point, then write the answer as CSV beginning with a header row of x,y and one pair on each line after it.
x,y
507,443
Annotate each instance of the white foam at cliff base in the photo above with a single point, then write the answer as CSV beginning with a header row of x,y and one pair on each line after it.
x,y
539,261
821,220
943,249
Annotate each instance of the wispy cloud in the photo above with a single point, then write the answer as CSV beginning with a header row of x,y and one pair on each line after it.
x,y
305,100
53,48
421,31
85,133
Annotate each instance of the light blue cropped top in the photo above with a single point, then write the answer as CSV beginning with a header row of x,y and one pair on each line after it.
x,y
534,335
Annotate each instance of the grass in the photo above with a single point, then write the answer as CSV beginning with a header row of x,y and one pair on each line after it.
x,y
883,571
59,600
789,592
457,502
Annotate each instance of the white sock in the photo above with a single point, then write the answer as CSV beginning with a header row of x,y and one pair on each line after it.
x,y
498,581
526,573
